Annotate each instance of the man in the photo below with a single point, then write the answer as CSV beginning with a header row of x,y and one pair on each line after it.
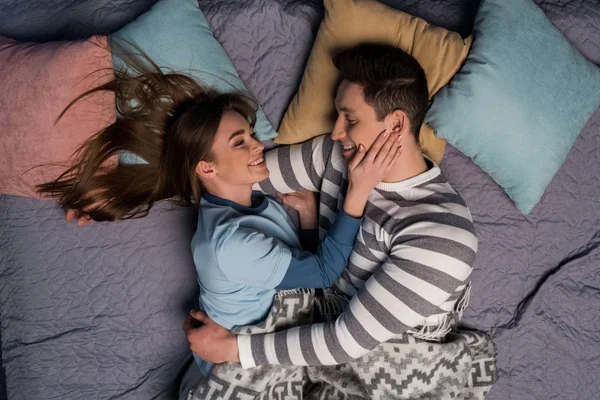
x,y
410,268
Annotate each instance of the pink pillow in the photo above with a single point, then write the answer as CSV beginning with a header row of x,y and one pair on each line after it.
x,y
38,81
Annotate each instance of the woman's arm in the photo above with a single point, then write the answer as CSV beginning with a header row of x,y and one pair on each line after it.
x,y
285,268
322,268
269,263
306,204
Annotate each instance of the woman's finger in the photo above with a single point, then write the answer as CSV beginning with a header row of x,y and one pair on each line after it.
x,y
70,215
83,219
396,158
289,199
377,144
388,147
390,156
358,157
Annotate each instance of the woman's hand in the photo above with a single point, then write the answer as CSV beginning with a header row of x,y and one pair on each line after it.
x,y
305,203
81,218
368,169
210,341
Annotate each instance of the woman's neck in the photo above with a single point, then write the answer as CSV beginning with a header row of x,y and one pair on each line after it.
x,y
238,194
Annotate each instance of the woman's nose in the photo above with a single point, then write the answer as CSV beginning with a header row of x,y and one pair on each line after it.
x,y
258,146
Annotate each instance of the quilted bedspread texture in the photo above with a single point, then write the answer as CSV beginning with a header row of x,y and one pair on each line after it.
x,y
96,312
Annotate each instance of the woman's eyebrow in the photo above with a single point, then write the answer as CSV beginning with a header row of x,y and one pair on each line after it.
x,y
238,132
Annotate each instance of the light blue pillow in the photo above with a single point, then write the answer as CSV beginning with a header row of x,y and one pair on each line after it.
x,y
520,100
176,35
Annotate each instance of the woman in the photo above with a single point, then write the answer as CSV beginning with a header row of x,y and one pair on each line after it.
x,y
199,148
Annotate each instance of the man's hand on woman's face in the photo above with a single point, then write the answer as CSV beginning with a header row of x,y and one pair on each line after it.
x,y
210,341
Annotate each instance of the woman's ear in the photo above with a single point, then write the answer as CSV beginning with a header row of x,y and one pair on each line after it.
x,y
206,170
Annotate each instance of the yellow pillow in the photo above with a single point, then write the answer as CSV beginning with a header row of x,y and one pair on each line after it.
x,y
351,22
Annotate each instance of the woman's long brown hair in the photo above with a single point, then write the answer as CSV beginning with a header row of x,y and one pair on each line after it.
x,y
167,119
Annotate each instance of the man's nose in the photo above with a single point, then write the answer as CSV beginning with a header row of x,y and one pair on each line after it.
x,y
339,131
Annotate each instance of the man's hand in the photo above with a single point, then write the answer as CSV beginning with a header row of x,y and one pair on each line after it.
x,y
210,341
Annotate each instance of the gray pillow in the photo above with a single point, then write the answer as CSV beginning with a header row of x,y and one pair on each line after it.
x,y
269,43
455,15
579,21
43,20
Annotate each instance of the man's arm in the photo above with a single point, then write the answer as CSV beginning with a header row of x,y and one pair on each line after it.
x,y
421,276
297,167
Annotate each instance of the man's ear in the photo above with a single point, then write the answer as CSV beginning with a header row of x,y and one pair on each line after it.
x,y
397,122
206,170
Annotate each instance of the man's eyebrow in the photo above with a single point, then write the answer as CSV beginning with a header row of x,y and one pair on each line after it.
x,y
346,110
238,132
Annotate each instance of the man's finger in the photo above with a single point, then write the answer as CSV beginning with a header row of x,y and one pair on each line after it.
x,y
200,316
188,325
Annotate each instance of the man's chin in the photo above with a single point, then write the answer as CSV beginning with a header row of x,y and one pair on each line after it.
x,y
348,155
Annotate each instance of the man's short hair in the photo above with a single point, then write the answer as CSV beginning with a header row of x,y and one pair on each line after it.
x,y
391,80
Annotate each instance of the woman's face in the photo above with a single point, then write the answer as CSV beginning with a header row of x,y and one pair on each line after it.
x,y
238,156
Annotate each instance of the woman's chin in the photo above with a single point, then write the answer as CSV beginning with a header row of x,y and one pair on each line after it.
x,y
260,174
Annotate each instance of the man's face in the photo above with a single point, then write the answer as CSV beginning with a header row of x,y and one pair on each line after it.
x,y
357,121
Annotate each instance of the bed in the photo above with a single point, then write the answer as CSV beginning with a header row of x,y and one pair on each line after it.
x,y
96,312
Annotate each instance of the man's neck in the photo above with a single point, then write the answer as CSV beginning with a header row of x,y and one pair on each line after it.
x,y
411,162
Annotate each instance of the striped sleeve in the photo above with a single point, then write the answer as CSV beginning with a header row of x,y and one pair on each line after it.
x,y
297,167
373,316
417,280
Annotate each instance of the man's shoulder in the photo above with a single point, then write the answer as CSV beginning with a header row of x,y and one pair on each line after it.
x,y
430,203
424,191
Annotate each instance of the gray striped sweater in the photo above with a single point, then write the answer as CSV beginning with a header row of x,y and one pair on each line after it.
x,y
410,266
